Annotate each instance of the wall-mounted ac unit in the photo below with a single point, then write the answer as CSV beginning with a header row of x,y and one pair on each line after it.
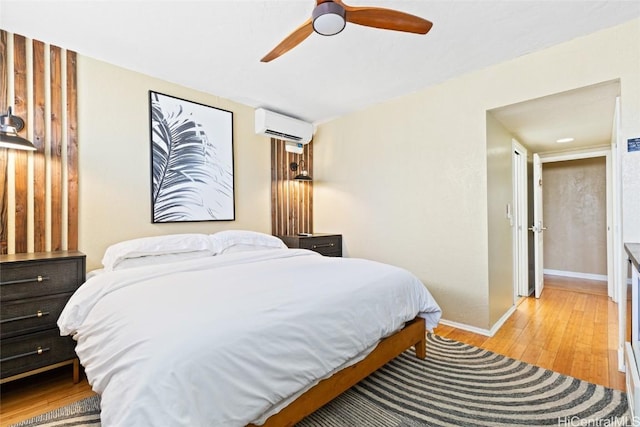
x,y
283,127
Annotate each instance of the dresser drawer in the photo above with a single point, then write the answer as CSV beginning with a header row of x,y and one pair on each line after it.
x,y
33,351
21,280
30,315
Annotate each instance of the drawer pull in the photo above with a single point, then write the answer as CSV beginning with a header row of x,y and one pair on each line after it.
x,y
38,313
326,245
34,279
36,352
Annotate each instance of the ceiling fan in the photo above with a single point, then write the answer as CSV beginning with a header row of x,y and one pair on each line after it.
x,y
329,17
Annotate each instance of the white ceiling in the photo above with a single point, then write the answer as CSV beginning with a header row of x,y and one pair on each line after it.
x,y
215,46
584,114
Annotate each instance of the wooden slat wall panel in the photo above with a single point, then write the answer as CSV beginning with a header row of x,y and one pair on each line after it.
x,y
4,96
43,97
291,201
72,153
39,175
55,164
274,188
4,72
308,193
292,191
20,109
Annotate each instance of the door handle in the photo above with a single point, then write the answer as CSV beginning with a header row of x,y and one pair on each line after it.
x,y
537,229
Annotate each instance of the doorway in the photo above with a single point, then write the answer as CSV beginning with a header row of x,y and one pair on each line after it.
x,y
590,116
573,208
577,214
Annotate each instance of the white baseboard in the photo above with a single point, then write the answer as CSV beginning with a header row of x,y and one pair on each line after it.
x,y
466,327
577,275
486,332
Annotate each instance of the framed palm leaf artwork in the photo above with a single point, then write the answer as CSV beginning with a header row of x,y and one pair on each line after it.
x,y
191,161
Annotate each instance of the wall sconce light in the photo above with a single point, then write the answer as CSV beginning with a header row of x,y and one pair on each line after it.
x,y
9,127
303,175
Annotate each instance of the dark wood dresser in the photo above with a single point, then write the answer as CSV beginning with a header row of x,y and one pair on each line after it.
x,y
325,244
34,289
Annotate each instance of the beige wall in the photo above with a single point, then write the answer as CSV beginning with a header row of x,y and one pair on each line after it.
x,y
575,214
499,195
114,200
406,181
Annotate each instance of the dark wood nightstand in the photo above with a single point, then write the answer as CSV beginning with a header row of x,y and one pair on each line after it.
x,y
34,288
325,244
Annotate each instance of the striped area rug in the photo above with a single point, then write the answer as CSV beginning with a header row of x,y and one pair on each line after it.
x,y
462,385
457,385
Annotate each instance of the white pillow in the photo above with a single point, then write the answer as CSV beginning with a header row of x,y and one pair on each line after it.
x,y
192,244
229,241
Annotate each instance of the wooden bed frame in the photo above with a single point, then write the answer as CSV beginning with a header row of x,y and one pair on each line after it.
x,y
413,334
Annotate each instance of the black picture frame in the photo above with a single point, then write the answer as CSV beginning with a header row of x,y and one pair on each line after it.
x,y
192,168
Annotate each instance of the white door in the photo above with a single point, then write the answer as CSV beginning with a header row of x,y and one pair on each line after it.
x,y
538,226
519,221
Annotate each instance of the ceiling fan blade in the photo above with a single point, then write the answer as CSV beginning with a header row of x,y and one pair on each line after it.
x,y
292,40
387,19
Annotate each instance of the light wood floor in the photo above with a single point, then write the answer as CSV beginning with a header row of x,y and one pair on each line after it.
x,y
571,329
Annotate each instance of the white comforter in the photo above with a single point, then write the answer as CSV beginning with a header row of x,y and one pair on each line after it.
x,y
219,341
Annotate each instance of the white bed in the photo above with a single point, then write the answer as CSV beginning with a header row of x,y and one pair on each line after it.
x,y
230,339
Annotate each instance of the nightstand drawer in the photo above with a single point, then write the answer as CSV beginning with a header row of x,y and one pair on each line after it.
x,y
21,280
326,245
33,351
30,315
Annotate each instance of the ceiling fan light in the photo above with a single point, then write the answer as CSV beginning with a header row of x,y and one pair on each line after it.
x,y
328,18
